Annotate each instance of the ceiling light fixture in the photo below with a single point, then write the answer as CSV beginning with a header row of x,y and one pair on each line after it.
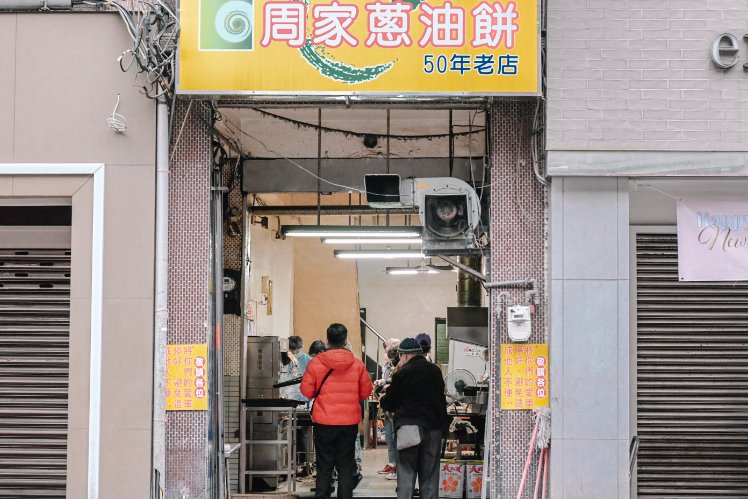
x,y
425,267
410,270
386,254
350,231
373,240
401,271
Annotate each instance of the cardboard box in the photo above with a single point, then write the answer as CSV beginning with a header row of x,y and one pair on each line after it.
x,y
473,479
451,479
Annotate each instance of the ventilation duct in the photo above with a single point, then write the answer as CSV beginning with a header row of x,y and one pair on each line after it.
x,y
469,289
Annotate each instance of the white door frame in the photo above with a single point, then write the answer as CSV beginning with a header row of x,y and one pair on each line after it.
x,y
96,171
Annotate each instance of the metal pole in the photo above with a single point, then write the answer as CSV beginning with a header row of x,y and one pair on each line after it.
x,y
363,321
161,286
246,241
217,357
319,165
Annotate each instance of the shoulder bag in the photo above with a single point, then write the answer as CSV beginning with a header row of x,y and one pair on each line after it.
x,y
316,394
408,435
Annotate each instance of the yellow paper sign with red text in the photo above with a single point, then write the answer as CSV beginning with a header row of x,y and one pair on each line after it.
x,y
187,377
370,47
524,376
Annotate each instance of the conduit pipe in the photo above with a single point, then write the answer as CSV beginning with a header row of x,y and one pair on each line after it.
x,y
344,210
160,319
530,295
215,349
35,4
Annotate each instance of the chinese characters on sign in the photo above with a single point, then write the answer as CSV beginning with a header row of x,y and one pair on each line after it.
x,y
351,46
187,377
524,376
389,24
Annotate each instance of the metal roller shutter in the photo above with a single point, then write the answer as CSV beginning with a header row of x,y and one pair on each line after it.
x,y
34,323
692,379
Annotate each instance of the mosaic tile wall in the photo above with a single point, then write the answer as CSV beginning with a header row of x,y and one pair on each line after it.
x,y
189,263
518,242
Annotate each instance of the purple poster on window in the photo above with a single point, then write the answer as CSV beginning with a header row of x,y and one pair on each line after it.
x,y
712,239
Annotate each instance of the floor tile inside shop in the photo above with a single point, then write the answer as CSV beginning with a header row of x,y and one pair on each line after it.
x,y
372,485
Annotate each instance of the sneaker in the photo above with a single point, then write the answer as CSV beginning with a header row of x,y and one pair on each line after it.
x,y
357,479
391,476
386,470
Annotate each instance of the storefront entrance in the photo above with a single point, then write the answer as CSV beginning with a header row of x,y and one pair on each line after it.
x,y
305,168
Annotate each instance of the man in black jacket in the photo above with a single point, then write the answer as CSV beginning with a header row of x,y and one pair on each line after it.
x,y
416,396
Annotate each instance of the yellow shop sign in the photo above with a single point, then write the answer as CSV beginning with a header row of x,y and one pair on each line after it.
x,y
359,47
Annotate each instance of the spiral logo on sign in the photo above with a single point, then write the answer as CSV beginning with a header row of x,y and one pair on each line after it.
x,y
233,21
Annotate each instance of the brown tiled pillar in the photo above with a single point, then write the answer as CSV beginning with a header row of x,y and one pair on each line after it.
x,y
189,298
518,248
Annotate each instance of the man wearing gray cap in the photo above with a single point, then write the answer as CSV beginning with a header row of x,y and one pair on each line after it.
x,y
416,396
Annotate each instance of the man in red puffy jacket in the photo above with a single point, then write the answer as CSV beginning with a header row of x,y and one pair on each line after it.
x,y
338,382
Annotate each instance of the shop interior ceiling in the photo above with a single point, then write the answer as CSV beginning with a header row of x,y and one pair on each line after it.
x,y
286,148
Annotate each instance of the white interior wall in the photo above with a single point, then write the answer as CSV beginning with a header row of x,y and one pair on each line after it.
x,y
403,305
273,258
397,305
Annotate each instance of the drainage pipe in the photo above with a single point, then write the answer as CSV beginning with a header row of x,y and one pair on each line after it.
x,y
161,274
215,348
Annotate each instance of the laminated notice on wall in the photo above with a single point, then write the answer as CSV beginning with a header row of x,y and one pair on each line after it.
x,y
524,376
187,377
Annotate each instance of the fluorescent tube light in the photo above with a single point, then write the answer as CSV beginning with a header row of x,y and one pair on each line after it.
x,y
409,271
373,240
386,253
350,231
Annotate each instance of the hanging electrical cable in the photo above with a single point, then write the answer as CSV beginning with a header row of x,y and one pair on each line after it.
x,y
473,130
153,28
537,134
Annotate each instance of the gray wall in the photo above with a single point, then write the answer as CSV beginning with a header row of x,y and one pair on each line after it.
x,y
589,338
637,75
59,82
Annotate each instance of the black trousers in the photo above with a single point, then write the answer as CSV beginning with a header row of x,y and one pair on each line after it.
x,y
301,450
422,461
335,449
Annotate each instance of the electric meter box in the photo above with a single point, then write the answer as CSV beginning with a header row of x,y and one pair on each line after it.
x,y
518,322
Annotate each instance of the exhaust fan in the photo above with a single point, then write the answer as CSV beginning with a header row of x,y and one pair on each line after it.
x,y
449,209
